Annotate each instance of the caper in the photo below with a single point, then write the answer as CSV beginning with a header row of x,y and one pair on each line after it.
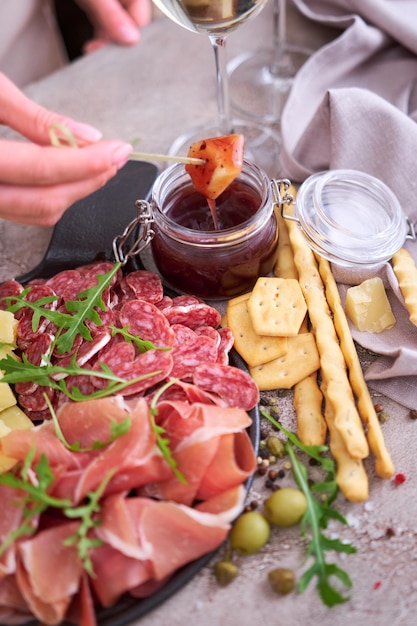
x,y
285,507
225,572
275,446
282,580
249,533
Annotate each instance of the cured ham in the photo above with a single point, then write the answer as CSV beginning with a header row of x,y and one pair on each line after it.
x,y
166,456
143,506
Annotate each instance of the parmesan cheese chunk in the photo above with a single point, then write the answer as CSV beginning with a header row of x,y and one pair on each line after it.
x,y
368,307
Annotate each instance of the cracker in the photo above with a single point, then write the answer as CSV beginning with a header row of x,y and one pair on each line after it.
x,y
277,306
301,360
253,348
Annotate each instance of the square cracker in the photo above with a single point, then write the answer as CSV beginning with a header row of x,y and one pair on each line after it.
x,y
277,306
301,360
253,348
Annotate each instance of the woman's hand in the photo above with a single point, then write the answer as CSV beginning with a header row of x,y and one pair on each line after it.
x,y
39,182
117,21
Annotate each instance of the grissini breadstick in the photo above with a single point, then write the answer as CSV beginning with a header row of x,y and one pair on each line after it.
x,y
308,399
332,363
384,466
351,476
406,272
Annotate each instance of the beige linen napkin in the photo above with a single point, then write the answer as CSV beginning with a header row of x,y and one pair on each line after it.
x,y
353,105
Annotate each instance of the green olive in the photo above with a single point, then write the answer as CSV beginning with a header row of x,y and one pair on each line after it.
x,y
285,507
225,572
249,533
282,580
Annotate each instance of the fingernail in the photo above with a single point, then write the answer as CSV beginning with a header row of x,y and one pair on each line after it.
x,y
121,155
84,131
128,34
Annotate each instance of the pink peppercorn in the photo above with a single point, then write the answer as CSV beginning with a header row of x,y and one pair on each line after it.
x,y
377,584
400,478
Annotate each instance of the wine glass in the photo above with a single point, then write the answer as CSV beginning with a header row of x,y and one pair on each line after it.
x,y
217,18
260,80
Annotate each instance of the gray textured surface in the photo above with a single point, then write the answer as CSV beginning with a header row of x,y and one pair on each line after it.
x,y
156,91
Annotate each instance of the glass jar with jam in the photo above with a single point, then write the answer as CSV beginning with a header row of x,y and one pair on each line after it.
x,y
195,258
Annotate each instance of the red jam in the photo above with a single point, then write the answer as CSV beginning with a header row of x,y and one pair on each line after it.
x,y
195,258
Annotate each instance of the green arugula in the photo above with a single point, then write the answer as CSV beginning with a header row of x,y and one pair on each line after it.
x,y
162,440
319,512
54,376
35,500
89,521
72,323
142,345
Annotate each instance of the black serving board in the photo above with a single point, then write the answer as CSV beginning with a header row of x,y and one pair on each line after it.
x,y
86,231
84,234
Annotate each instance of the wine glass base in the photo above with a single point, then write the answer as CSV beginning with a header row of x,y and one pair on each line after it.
x,y
258,90
262,144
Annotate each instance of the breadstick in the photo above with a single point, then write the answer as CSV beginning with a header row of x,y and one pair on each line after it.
x,y
351,476
308,399
384,466
332,363
406,272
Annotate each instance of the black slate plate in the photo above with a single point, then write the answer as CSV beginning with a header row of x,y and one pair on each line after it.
x,y
86,231
84,234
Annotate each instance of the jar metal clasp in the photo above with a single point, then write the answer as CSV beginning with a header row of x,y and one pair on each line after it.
x,y
123,248
282,197
411,230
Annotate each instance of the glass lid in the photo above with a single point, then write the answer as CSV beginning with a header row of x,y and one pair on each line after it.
x,y
349,217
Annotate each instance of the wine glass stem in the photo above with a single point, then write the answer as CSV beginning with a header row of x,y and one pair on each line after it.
x,y
279,60
223,99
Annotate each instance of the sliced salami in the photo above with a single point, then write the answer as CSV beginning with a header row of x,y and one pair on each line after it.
x,y
193,315
87,349
145,285
226,344
7,289
233,385
67,284
36,401
191,353
146,321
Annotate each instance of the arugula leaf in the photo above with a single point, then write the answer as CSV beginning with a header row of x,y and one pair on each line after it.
x,y
162,440
72,323
54,376
319,512
142,345
35,499
89,521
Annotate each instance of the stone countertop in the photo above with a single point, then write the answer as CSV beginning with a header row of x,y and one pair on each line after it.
x,y
155,91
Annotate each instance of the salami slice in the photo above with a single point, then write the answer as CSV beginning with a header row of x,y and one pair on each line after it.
x,y
67,284
36,401
118,355
188,355
145,285
193,315
87,349
9,288
146,321
226,344
233,385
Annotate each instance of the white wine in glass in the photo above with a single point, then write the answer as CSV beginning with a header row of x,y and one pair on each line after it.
x,y
260,80
217,18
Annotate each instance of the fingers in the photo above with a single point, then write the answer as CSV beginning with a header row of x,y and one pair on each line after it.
x,y
116,20
26,165
34,121
44,206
